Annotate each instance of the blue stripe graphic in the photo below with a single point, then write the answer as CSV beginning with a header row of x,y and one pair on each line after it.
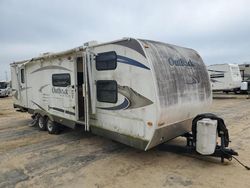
x,y
129,61
121,106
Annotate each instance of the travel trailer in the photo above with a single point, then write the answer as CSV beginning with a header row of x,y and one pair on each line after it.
x,y
225,77
5,89
139,92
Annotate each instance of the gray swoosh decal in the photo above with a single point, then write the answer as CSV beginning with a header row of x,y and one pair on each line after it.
x,y
121,106
50,67
133,44
136,100
42,87
132,100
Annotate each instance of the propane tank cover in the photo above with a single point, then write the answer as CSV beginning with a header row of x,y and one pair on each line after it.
x,y
206,136
243,86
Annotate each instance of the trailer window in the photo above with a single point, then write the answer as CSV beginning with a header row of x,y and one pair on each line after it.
x,y
61,80
106,91
106,61
3,85
22,75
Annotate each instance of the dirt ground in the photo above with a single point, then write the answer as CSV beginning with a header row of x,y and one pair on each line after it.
x,y
32,158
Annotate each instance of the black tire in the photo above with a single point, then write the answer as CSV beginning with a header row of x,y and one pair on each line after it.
x,y
52,127
34,122
42,123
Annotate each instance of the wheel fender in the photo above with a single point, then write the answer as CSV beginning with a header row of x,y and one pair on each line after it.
x,y
44,113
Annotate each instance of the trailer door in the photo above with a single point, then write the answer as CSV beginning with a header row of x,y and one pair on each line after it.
x,y
22,89
86,92
89,87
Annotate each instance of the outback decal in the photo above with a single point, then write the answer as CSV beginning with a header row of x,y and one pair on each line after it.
x,y
60,90
180,62
132,100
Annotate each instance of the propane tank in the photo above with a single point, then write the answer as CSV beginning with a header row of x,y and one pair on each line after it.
x,y
206,136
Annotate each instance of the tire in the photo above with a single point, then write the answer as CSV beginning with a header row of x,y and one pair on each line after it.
x,y
35,119
52,127
42,123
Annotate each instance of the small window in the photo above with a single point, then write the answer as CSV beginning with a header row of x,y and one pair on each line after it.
x,y
22,75
61,80
106,91
106,61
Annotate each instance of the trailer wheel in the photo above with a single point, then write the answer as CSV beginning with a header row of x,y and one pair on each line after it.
x,y
35,119
52,127
42,123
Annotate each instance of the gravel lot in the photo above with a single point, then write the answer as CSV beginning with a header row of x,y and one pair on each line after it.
x,y
32,158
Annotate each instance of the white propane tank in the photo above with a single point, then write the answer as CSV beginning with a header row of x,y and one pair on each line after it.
x,y
206,136
243,86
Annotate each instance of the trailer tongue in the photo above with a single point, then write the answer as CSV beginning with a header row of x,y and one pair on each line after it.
x,y
203,139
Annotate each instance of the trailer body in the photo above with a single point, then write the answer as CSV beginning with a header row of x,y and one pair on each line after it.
x,y
138,92
225,77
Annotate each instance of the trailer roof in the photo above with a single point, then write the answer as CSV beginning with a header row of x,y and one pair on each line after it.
x,y
73,50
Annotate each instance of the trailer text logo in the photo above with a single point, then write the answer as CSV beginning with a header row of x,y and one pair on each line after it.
x,y
180,62
61,91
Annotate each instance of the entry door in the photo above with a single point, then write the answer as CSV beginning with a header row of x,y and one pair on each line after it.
x,y
22,80
89,87
80,89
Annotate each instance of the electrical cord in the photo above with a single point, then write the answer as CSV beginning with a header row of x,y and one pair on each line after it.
x,y
246,167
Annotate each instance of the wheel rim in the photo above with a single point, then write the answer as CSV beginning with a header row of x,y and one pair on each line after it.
x,y
41,122
50,125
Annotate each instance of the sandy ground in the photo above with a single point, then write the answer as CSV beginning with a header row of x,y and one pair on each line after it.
x,y
32,158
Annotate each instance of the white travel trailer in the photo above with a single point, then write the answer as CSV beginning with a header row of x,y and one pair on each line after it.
x,y
138,92
225,77
5,89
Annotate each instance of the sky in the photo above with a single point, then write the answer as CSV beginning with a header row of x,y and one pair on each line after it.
x,y
218,29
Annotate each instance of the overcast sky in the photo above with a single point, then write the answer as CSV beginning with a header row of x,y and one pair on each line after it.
x,y
218,29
